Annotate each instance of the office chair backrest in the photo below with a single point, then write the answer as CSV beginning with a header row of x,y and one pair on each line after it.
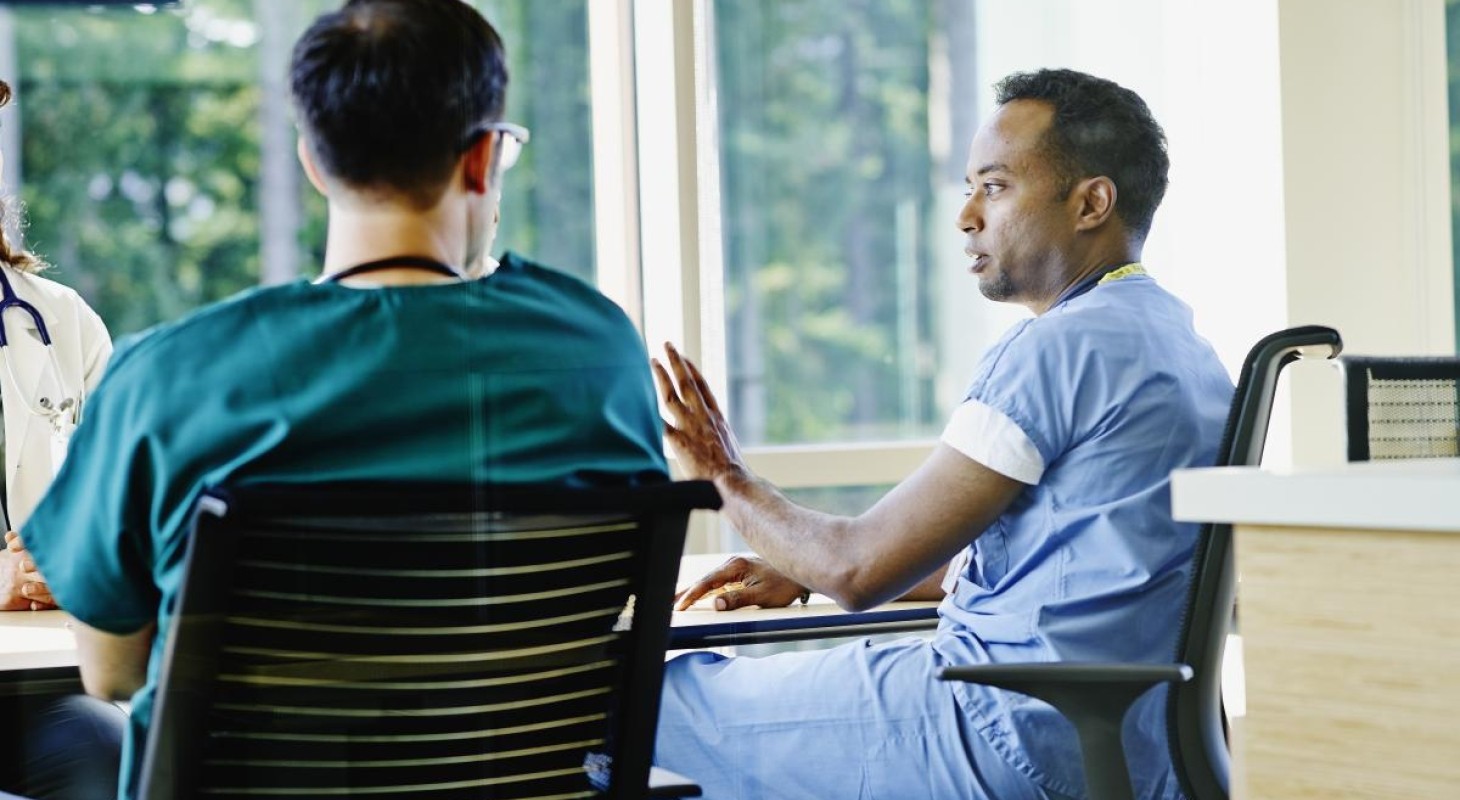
x,y
419,641
1402,407
1196,726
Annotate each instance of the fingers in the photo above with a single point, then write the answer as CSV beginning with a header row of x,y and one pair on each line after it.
x,y
689,391
702,587
731,599
703,387
666,385
732,571
39,595
13,543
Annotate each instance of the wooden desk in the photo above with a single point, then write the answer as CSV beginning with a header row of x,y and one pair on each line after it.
x,y
1349,612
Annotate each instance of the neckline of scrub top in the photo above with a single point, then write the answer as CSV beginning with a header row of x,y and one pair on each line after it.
x,y
394,262
1103,276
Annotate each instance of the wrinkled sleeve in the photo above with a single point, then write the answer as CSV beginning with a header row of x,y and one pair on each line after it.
x,y
989,437
1017,417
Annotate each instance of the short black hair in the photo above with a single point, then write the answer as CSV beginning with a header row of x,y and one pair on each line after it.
x,y
386,92
1099,128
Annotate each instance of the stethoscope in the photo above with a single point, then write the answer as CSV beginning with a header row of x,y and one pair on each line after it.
x,y
68,408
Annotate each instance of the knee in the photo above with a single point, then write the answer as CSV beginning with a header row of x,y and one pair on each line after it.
x,y
84,721
73,749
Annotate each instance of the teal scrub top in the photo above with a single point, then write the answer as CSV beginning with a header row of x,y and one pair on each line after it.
x,y
525,376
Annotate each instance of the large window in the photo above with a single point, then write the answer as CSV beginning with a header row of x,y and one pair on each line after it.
x,y
828,181
156,157
155,150
771,184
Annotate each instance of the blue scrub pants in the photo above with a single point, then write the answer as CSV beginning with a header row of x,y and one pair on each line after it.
x,y
61,748
862,720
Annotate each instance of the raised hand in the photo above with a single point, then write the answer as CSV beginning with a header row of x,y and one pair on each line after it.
x,y
702,440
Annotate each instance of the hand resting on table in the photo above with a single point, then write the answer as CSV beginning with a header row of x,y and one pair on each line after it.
x,y
742,581
21,587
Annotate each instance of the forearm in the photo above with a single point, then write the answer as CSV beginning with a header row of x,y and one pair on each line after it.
x,y
819,551
896,546
113,667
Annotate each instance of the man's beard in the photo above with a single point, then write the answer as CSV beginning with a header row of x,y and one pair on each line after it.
x,y
997,287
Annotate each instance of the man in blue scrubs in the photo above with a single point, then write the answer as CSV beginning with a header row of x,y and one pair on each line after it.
x,y
1042,519
402,363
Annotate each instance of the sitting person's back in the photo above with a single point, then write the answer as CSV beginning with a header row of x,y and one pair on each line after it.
x,y
401,363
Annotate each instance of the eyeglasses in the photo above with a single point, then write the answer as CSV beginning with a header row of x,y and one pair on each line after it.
x,y
509,144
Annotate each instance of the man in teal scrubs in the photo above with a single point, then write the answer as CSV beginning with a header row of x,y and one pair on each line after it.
x,y
402,363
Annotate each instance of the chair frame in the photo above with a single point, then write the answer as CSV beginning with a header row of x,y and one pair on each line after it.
x,y
169,766
1096,697
1360,370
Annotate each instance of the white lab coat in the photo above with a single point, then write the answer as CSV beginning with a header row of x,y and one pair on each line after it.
x,y
82,349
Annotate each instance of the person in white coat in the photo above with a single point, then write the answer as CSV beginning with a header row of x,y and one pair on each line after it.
x,y
53,349
34,386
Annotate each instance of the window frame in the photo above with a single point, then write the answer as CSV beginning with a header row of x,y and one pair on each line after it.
x,y
660,246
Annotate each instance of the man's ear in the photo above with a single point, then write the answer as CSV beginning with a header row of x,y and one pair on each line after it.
x,y
1096,202
306,160
477,163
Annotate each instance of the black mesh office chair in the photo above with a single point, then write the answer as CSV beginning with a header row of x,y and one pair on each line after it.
x,y
1096,697
1402,407
420,642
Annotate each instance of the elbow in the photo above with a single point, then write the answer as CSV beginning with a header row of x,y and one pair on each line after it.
x,y
856,581
110,687
854,602
853,591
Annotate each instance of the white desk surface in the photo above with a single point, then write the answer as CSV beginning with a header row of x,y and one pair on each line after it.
x,y
702,626
1412,494
40,639
35,640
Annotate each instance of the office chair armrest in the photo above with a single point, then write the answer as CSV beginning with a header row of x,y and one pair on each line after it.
x,y
666,784
1065,672
1093,696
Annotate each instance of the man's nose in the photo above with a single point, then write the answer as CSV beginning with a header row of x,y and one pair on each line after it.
x,y
968,215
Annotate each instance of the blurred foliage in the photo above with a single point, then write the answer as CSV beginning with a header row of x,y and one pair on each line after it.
x,y
824,135
141,158
141,146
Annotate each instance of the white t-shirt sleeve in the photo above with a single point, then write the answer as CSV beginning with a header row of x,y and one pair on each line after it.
x,y
989,437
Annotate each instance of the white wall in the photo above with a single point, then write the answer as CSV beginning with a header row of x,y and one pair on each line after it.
x,y
1366,170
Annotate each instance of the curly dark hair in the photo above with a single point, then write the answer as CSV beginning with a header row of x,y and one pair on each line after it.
x,y
14,257
1099,128
387,91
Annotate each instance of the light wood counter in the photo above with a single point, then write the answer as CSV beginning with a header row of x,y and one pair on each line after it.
x,y
1349,609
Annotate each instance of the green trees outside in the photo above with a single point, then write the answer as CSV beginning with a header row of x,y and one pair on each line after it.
x,y
156,160
157,168
828,190
140,154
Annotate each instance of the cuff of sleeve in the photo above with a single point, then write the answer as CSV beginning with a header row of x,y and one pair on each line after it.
x,y
992,439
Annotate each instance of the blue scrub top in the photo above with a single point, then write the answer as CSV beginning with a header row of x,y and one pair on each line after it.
x,y
525,376
1114,390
